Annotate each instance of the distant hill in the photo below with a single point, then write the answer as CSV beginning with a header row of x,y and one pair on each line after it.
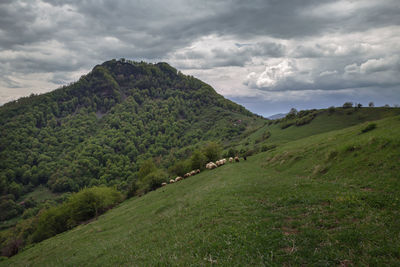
x,y
277,116
98,130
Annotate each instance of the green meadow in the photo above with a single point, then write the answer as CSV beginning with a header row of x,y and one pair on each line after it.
x,y
320,200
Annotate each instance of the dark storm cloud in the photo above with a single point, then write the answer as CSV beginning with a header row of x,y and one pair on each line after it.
x,y
152,29
226,54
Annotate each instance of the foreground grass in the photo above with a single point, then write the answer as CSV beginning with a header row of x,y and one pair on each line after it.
x,y
330,199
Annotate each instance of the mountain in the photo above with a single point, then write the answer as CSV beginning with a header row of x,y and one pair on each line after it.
x,y
277,116
133,125
102,128
326,199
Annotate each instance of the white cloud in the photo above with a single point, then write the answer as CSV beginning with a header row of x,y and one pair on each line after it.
x,y
272,75
328,73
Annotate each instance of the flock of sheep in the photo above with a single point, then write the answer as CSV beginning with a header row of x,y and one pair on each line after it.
x,y
210,166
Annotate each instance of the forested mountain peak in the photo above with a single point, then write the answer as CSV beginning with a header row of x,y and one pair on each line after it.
x,y
99,130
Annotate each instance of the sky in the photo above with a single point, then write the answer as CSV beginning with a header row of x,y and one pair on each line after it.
x,y
268,55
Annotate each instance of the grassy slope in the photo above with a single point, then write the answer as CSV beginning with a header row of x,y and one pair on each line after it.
x,y
324,122
328,199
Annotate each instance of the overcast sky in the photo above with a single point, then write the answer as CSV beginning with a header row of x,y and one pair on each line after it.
x,y
267,55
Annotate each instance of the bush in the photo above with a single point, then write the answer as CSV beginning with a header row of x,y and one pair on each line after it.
x,y
267,147
12,247
151,182
305,120
368,128
90,203
180,168
212,151
231,153
348,105
133,187
82,206
50,223
198,160
286,124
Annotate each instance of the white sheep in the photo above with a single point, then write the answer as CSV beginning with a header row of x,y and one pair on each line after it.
x,y
211,165
231,159
171,181
237,159
164,184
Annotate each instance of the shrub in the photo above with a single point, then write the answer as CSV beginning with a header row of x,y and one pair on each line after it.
x,y
12,247
348,105
180,168
368,128
50,223
151,182
198,160
305,120
286,124
231,153
81,206
267,147
292,114
212,151
91,202
132,189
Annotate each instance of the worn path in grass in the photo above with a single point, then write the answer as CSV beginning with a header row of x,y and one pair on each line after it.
x,y
330,199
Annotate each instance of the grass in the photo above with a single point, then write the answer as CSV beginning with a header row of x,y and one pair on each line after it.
x,y
329,199
41,194
323,122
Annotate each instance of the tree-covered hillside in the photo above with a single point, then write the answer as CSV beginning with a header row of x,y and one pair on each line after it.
x,y
98,130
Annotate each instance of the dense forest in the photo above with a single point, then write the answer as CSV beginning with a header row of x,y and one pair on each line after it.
x,y
102,128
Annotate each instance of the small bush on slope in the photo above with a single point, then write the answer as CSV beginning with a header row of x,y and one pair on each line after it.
x,y
368,128
80,207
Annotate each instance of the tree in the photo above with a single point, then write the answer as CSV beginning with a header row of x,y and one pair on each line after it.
x,y
179,168
198,160
146,168
292,113
348,105
371,104
212,151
